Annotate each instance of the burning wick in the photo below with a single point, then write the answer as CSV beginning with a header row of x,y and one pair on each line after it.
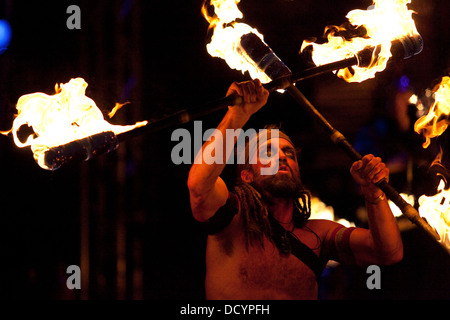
x,y
230,40
378,27
262,56
366,59
66,126
80,150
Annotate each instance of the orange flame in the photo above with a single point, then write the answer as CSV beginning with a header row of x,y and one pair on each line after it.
x,y
436,121
384,21
225,41
319,210
58,119
436,210
116,108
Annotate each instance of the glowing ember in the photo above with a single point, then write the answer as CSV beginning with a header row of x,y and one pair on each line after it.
x,y
384,21
58,119
436,121
225,41
436,210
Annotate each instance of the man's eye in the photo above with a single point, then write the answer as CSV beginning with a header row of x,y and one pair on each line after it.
x,y
268,153
290,153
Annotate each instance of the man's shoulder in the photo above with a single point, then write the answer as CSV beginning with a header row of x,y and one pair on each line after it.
x,y
322,226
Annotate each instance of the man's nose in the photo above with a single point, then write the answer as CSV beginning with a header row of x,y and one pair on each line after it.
x,y
281,155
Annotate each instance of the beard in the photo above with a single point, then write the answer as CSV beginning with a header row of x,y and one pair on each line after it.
x,y
282,186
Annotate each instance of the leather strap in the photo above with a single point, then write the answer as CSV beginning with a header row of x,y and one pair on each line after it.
x,y
297,248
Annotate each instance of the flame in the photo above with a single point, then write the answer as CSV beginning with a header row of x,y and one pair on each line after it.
x,y
58,119
319,210
116,108
225,41
395,209
436,210
384,21
436,121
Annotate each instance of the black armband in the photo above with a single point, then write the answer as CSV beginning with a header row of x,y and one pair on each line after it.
x,y
222,218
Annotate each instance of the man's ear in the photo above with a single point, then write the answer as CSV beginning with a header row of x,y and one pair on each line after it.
x,y
247,176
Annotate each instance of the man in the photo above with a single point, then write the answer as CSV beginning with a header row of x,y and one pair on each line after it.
x,y
250,250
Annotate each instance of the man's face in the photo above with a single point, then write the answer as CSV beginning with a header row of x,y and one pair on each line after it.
x,y
284,182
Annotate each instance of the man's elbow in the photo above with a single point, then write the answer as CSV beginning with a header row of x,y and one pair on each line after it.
x,y
196,185
392,257
199,201
191,183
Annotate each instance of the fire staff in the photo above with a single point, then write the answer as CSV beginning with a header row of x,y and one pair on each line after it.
x,y
261,242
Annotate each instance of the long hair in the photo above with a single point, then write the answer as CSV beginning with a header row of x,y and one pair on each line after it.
x,y
254,212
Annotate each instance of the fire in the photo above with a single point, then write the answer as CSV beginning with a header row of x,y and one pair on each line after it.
x,y
436,121
116,108
58,119
436,210
395,209
319,210
384,21
227,32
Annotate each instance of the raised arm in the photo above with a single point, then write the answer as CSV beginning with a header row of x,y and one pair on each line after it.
x,y
382,243
207,190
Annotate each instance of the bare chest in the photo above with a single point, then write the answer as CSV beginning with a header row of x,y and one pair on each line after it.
x,y
261,273
268,269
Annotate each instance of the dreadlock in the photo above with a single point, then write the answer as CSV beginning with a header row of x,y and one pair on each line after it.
x,y
254,213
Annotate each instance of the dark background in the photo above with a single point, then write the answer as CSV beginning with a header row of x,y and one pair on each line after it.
x,y
124,217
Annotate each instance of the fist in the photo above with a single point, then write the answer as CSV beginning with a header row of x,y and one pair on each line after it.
x,y
367,172
253,94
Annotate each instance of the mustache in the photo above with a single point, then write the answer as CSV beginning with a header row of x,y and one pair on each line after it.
x,y
284,163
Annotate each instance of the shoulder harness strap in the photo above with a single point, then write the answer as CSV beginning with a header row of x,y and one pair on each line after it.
x,y
297,248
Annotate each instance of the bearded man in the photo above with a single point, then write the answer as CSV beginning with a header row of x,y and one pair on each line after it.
x,y
261,243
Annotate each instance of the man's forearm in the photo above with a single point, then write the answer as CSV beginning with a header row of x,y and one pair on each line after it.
x,y
384,230
204,173
207,190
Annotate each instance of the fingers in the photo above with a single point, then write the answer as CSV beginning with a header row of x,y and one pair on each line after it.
x,y
235,88
259,87
251,91
356,166
371,169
